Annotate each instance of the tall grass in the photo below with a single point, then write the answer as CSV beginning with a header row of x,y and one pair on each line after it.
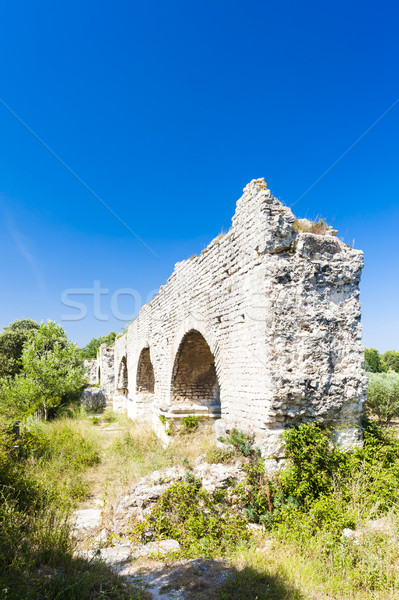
x,y
137,451
41,480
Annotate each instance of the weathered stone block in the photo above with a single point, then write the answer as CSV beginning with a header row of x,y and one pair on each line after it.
x,y
93,399
262,328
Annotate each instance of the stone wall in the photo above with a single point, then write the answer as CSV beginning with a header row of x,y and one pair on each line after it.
x,y
105,369
260,331
91,371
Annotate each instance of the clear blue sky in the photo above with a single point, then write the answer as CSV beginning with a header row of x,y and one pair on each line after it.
x,y
166,110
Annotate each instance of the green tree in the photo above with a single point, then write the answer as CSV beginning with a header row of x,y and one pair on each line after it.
x,y
391,359
12,340
374,362
90,350
51,370
383,396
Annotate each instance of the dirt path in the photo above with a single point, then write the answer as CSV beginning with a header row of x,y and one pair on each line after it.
x,y
158,576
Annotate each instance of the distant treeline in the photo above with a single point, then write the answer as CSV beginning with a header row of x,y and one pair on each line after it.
x,y
90,350
375,362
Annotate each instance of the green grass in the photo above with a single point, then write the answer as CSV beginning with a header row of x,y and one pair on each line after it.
x,y
41,481
299,553
331,491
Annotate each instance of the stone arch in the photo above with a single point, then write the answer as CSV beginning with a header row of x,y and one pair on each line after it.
x,y
123,379
145,378
194,376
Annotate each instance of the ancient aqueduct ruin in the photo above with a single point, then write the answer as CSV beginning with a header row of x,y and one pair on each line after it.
x,y
260,331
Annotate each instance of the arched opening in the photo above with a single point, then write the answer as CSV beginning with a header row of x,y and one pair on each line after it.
x,y
194,379
145,380
99,375
123,382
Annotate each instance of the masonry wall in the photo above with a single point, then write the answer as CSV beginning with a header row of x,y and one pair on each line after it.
x,y
279,314
106,369
91,371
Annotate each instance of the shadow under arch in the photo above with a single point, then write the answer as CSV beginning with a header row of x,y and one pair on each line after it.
x,y
123,379
122,387
194,378
145,381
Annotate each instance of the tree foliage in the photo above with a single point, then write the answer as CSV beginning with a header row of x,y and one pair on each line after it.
x,y
391,360
52,369
90,350
373,361
12,340
383,395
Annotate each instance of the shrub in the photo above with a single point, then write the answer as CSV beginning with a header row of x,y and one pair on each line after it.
x,y
91,349
313,461
383,396
332,490
220,455
12,341
190,424
197,519
36,550
391,360
242,442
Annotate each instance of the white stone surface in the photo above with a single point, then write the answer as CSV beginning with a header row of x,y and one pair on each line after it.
x,y
87,520
142,496
280,313
93,399
159,548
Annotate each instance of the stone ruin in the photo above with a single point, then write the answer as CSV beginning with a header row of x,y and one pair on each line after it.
x,y
259,332
100,370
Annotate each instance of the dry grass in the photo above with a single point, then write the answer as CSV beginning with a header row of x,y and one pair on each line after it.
x,y
305,226
274,568
131,450
278,571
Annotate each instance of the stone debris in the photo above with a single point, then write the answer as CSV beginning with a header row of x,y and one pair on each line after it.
x,y
93,399
382,526
156,548
143,495
86,522
121,553
193,579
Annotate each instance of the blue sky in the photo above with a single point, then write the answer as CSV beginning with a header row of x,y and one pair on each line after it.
x,y
166,110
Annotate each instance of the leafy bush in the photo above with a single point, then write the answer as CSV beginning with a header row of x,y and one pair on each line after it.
x,y
391,360
190,423
52,371
333,490
12,340
242,442
313,461
383,396
374,361
37,480
197,519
